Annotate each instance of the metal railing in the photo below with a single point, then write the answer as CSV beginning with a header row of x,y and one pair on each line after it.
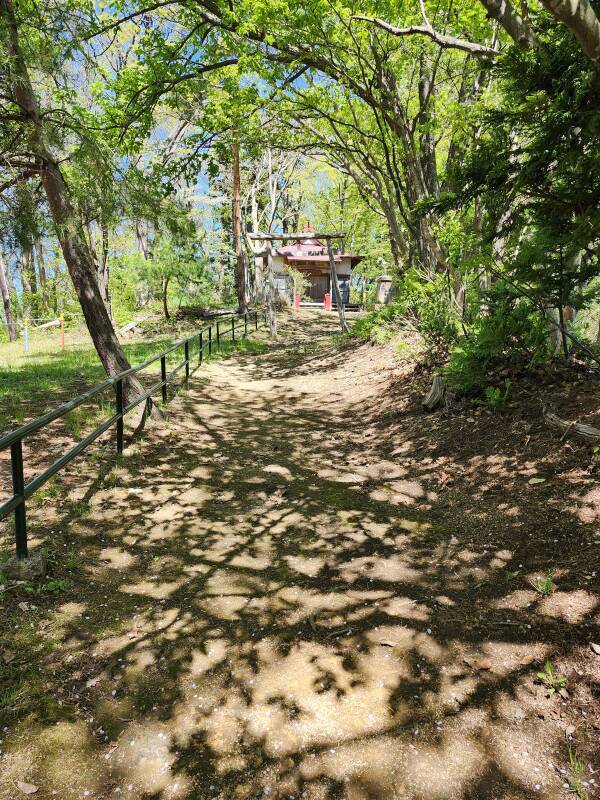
x,y
202,339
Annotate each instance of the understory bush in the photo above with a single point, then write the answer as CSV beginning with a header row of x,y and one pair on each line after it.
x,y
421,304
508,332
500,330
381,324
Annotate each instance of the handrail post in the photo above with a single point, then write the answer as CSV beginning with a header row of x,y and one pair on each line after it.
x,y
200,347
16,453
119,398
233,329
218,336
210,340
186,350
245,323
163,377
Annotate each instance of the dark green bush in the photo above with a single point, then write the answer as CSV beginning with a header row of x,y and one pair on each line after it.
x,y
510,333
421,302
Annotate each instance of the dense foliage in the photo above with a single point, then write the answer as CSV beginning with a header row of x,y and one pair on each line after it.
x,y
455,144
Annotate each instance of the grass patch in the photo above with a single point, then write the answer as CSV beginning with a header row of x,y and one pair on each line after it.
x,y
577,775
543,585
38,382
23,684
34,383
553,681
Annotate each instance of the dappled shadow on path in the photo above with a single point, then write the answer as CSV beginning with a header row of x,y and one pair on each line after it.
x,y
270,608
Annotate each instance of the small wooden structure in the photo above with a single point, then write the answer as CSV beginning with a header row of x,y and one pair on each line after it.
x,y
309,252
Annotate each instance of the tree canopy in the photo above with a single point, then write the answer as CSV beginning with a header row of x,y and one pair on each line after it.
x,y
454,143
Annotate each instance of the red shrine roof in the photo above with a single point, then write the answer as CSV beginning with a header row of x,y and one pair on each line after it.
x,y
312,251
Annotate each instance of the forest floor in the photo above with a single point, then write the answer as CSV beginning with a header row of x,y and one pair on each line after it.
x,y
304,586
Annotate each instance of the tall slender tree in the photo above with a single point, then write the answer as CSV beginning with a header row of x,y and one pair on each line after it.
x,y
10,322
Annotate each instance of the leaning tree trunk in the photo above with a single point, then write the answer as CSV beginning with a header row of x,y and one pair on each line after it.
x,y
513,23
10,322
581,19
72,242
165,298
336,289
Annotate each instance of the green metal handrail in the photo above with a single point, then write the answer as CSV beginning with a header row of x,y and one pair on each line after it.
x,y
22,491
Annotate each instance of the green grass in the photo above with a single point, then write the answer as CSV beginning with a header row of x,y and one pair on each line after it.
x,y
576,779
33,383
23,682
553,681
543,585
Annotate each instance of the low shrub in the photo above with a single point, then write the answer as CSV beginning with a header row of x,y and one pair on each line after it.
x,y
508,332
421,303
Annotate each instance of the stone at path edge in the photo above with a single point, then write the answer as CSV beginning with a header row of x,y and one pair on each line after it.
x,y
24,569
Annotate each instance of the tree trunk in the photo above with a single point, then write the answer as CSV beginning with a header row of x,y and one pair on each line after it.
x,y
555,330
41,268
25,270
103,286
336,289
10,323
236,216
258,282
427,139
165,298
142,240
581,19
269,286
72,241
101,267
436,393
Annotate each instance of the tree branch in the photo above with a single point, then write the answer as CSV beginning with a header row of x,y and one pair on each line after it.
x,y
140,12
512,22
474,49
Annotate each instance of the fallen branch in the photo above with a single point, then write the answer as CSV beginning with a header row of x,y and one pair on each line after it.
x,y
131,325
436,393
53,323
580,429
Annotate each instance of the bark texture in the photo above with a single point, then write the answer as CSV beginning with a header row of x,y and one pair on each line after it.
x,y
581,19
436,393
513,23
579,429
10,322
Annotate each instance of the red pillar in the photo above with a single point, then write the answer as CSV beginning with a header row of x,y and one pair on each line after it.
x,y
327,301
297,300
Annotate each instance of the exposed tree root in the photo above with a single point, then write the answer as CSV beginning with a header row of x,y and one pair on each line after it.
x,y
436,393
580,429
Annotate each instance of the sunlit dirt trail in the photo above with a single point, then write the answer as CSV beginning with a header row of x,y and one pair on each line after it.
x,y
272,604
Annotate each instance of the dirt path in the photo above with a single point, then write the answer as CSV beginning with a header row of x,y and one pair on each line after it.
x,y
278,596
